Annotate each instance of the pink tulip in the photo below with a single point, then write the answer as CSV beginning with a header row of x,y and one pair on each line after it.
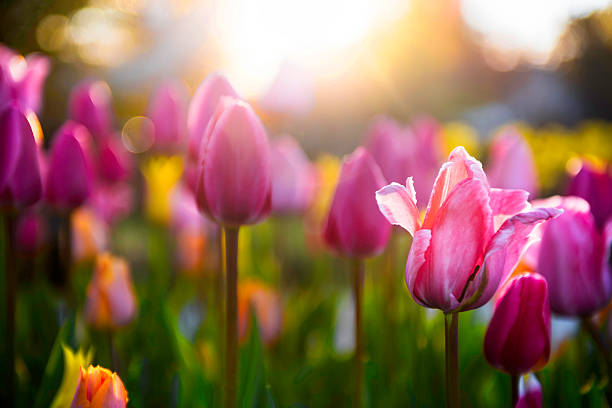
x,y
90,105
168,111
203,106
355,227
518,337
112,201
293,176
573,257
22,79
424,155
511,162
114,162
472,236
530,392
69,175
388,144
595,186
98,387
233,185
20,181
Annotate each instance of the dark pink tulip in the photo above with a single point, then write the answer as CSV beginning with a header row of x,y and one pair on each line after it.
x,y
293,176
472,236
168,111
424,155
355,227
114,162
518,337
233,185
112,201
90,104
20,181
573,257
595,186
388,144
69,176
22,79
30,232
511,163
530,392
203,106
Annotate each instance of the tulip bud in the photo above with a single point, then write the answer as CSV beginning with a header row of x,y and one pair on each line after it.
x,y
99,388
530,392
355,227
168,112
595,186
518,337
20,182
68,173
573,257
387,143
233,184
22,79
266,305
293,176
110,297
90,105
89,234
113,161
203,106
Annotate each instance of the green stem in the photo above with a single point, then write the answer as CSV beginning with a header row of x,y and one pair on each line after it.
x,y
10,273
590,327
514,387
358,276
451,343
113,353
231,315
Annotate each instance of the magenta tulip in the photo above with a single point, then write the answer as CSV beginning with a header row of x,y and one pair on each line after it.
x,y
595,186
388,144
22,79
511,162
30,232
472,236
518,337
530,392
69,176
114,162
168,111
203,106
90,105
573,257
233,181
293,176
355,227
20,181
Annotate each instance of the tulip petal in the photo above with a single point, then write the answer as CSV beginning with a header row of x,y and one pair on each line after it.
x,y
506,203
11,129
398,205
416,262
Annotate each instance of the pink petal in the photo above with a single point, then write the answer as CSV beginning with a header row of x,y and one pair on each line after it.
x,y
398,205
415,263
506,203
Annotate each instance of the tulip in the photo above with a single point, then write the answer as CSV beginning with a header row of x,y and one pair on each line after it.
x,y
90,105
168,112
424,155
595,186
110,297
511,162
99,388
387,143
293,176
69,175
30,232
327,171
518,336
89,234
573,257
530,392
266,304
73,361
161,173
114,162
112,201
203,106
22,79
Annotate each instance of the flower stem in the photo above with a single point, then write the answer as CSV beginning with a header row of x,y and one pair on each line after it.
x,y
113,353
603,348
231,315
514,383
358,275
10,273
451,343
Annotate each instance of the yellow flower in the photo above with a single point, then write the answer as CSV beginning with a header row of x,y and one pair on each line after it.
x,y
460,134
72,368
161,173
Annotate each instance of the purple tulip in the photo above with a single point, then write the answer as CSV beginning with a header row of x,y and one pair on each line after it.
x,y
114,162
355,227
233,180
595,186
69,176
90,104
203,106
112,201
573,257
293,176
168,111
22,79
518,337
530,392
511,163
30,232
20,181
388,144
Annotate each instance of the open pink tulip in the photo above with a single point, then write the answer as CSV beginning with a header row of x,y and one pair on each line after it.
x,y
233,178
472,236
595,186
293,176
530,392
518,337
355,227
69,175
387,142
90,105
511,162
573,256
168,111
20,181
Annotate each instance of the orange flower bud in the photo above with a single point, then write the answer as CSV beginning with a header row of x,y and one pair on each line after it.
x,y
99,388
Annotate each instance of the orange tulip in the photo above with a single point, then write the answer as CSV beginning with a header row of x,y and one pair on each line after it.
x,y
99,388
